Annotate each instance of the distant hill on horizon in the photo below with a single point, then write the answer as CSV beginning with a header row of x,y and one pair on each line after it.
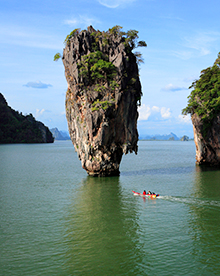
x,y
164,137
59,134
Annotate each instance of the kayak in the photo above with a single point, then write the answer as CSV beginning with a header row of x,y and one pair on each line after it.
x,y
147,195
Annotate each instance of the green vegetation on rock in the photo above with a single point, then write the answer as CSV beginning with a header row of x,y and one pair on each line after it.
x,y
18,128
96,69
204,99
56,57
100,104
130,40
69,36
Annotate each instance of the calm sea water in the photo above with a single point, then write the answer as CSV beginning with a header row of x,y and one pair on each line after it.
x,y
55,220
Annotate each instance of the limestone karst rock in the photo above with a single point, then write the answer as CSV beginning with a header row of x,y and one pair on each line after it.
x,y
103,94
204,107
207,147
17,128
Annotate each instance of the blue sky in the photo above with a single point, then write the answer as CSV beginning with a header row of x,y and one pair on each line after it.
x,y
183,37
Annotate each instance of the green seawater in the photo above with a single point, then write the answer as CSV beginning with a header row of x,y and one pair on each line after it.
x,y
56,220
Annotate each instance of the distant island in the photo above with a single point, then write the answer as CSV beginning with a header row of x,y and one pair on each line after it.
x,y
165,137
59,134
18,128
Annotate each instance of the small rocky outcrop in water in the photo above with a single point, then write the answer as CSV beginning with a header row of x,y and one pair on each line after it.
x,y
103,93
204,107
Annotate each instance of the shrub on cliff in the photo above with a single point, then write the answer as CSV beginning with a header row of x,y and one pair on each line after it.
x,y
204,99
56,57
130,40
69,36
95,68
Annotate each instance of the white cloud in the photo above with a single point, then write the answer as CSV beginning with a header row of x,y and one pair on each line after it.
x,y
114,3
199,44
39,112
43,114
155,109
165,112
154,113
144,112
190,78
173,88
183,54
82,20
202,42
185,119
37,84
24,36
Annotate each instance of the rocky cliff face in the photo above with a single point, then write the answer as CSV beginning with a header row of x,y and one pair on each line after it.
x,y
208,146
204,107
102,98
17,128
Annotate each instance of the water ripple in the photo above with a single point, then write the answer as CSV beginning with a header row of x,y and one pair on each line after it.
x,y
160,171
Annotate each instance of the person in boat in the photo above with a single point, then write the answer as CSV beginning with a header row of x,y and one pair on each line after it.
x,y
144,192
149,192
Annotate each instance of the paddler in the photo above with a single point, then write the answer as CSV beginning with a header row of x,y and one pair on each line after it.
x,y
144,192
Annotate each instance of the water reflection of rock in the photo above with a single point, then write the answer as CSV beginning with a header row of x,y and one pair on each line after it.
x,y
101,231
204,224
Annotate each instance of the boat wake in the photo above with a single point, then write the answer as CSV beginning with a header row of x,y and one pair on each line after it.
x,y
192,201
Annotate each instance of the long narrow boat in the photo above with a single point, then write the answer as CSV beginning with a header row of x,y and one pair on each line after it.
x,y
147,195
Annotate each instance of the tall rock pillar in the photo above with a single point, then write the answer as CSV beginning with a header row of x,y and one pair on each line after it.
x,y
102,98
